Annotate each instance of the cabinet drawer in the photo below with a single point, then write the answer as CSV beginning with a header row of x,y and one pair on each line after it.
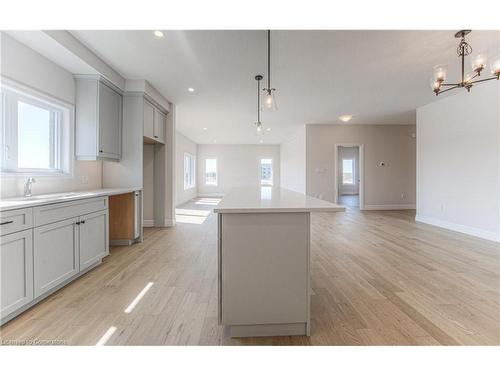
x,y
55,212
15,220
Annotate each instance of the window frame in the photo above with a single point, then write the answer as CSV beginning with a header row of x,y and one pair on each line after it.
x,y
353,172
216,173
62,149
272,172
191,170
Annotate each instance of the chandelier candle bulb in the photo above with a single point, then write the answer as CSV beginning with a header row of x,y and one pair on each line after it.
x,y
478,63
495,66
440,73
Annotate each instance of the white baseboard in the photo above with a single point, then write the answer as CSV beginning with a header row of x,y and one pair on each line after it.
x,y
210,195
389,207
476,232
148,223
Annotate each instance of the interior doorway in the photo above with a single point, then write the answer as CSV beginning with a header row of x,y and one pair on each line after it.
x,y
349,175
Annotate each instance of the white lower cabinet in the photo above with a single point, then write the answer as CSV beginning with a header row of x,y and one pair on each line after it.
x,y
50,245
94,238
16,269
56,254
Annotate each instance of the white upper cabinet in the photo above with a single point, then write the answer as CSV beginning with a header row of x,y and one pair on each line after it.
x,y
98,120
159,126
154,124
149,113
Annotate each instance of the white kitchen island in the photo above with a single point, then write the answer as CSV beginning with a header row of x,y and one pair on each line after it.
x,y
263,260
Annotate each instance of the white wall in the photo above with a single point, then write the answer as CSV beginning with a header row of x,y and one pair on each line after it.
x,y
237,165
184,144
29,68
458,166
392,186
293,161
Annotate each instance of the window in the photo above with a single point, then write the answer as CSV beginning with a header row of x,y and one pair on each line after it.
x,y
266,172
348,171
189,173
211,172
36,133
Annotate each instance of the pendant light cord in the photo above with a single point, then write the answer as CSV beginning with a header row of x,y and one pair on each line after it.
x,y
268,59
258,101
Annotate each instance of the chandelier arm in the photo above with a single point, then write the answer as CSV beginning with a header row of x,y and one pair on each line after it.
x,y
451,88
450,84
484,79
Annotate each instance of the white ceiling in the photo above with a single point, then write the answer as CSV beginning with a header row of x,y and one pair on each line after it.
x,y
379,76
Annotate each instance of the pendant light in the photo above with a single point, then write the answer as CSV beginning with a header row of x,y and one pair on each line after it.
x,y
259,130
268,99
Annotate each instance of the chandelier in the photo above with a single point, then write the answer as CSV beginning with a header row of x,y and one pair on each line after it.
x,y
468,79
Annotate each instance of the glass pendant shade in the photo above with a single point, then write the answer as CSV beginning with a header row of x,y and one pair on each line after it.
x,y
259,129
440,73
495,66
268,100
478,62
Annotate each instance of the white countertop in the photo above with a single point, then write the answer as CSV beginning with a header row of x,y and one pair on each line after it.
x,y
40,200
271,199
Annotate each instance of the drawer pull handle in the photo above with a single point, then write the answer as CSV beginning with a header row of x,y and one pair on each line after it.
x,y
77,223
7,222
82,222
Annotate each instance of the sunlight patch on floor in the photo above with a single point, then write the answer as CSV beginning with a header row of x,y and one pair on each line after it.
x,y
138,298
107,335
188,212
190,219
208,201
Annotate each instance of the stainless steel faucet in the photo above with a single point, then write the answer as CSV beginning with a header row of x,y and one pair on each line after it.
x,y
27,186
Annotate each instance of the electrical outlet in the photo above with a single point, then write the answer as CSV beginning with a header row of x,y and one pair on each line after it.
x,y
85,180
403,195
443,207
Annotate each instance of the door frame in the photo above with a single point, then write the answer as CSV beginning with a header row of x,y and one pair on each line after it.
x,y
361,161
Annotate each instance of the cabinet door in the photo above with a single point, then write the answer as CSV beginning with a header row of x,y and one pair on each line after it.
x,y
159,126
148,120
93,238
56,256
16,266
110,122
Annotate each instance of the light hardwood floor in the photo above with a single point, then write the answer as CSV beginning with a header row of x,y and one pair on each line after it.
x,y
378,278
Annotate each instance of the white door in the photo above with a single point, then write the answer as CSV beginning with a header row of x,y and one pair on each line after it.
x,y
110,119
55,254
148,120
93,238
16,262
159,126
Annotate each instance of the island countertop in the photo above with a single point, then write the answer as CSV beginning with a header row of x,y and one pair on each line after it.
x,y
40,200
272,199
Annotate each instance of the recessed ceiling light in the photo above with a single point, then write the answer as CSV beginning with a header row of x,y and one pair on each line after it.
x,y
345,118
261,141
158,33
190,89
268,129
215,140
204,128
